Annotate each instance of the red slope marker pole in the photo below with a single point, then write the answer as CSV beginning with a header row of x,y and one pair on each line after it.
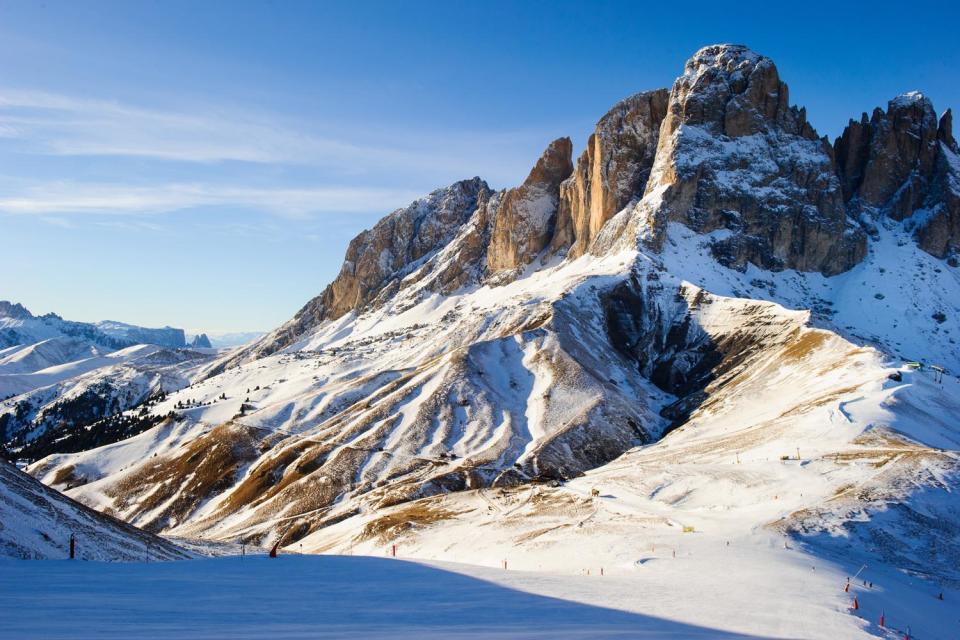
x,y
856,605
882,619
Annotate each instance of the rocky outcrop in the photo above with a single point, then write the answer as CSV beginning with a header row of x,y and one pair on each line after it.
x,y
398,243
723,153
396,246
201,342
524,223
902,161
734,155
14,310
612,170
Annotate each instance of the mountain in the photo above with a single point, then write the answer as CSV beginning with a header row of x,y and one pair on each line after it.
x,y
37,522
706,318
58,376
165,337
81,404
200,341
19,327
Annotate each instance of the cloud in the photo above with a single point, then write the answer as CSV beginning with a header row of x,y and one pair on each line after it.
x,y
51,201
56,124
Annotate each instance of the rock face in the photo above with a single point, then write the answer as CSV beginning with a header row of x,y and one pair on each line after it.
x,y
132,334
201,342
397,243
524,223
14,310
902,161
723,153
378,259
612,170
734,155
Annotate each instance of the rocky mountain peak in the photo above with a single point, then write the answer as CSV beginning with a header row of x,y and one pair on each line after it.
x,y
14,310
735,92
733,155
201,341
526,218
398,243
902,161
876,158
611,171
945,131
722,153
378,259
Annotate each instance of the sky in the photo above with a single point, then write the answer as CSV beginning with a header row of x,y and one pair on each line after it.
x,y
204,164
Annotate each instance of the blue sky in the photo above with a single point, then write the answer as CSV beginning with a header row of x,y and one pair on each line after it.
x,y
204,164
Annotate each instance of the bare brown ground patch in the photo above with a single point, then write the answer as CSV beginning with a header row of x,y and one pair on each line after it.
x,y
413,516
819,401
806,343
206,467
66,478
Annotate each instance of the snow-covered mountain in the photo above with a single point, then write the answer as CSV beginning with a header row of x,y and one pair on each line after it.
x,y
706,318
61,375
37,522
84,400
20,327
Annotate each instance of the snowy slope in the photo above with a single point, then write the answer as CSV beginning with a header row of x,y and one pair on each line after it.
x,y
78,393
659,406
369,399
298,597
37,522
876,484
892,300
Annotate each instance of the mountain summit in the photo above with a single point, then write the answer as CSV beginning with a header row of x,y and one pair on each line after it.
x,y
710,283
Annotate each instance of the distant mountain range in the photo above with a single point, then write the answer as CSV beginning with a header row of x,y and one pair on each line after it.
x,y
713,321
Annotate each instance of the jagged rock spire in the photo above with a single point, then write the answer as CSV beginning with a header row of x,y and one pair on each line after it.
x,y
612,170
901,161
524,223
734,155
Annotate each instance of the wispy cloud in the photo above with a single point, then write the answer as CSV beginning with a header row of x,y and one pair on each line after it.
x,y
63,198
51,123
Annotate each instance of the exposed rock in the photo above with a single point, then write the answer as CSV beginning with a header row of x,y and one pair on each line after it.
x,y
611,171
464,260
14,310
201,342
397,243
733,155
395,247
525,220
902,161
886,162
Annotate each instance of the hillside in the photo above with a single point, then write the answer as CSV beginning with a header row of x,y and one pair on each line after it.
x,y
707,318
36,522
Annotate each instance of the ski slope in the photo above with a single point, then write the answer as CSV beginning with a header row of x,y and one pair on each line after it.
x,y
357,597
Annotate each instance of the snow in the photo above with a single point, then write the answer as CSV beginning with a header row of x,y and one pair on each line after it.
x,y
362,597
913,284
908,99
125,378
37,522
771,539
29,367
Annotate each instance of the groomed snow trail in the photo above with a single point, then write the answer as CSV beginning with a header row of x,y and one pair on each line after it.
x,y
297,597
